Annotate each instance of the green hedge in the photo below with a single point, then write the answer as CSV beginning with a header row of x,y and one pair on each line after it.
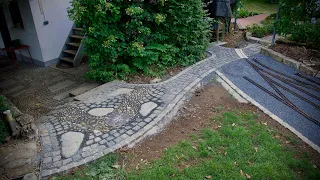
x,y
126,37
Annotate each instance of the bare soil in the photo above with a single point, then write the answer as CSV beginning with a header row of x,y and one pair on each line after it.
x,y
308,56
235,39
196,115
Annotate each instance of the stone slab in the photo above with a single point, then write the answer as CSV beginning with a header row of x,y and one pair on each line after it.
x,y
100,111
146,108
18,160
93,94
57,79
62,96
13,89
61,85
18,93
7,83
70,143
83,88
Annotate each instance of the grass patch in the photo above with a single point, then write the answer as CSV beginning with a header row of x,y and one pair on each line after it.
x,y
238,149
260,6
104,168
4,130
243,13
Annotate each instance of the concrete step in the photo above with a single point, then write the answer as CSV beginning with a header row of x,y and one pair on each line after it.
x,y
72,52
83,88
61,85
77,36
77,29
74,44
7,83
67,59
13,89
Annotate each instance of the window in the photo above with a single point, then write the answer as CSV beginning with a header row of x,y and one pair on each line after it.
x,y
15,15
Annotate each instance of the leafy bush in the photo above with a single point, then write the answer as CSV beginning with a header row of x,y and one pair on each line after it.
x,y
266,27
125,37
3,126
300,20
242,13
260,31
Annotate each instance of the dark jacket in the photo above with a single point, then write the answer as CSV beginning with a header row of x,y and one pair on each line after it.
x,y
218,8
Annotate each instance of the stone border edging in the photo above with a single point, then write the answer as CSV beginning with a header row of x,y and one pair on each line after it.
x,y
257,40
269,113
289,61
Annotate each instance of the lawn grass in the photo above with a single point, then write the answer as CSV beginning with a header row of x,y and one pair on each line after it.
x,y
104,168
260,6
238,148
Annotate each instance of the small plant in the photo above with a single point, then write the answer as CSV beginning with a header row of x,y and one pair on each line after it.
x,y
266,27
4,131
242,13
260,30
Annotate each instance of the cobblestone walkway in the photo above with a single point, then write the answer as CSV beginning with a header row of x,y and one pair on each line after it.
x,y
119,114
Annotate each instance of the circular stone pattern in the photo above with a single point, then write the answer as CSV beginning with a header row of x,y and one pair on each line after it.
x,y
100,111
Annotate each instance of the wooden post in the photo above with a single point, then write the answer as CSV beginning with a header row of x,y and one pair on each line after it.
x,y
217,31
223,30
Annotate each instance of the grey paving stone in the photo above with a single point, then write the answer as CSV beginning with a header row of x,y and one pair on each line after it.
x,y
111,143
136,128
130,132
103,141
61,85
47,160
57,164
76,157
97,139
141,124
89,142
56,158
49,154
105,136
66,161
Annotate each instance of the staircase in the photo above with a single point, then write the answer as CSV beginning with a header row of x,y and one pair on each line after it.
x,y
72,51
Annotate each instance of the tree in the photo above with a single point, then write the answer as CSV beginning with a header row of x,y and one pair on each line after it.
x,y
300,19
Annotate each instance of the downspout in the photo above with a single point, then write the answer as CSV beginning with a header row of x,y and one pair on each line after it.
x,y
45,22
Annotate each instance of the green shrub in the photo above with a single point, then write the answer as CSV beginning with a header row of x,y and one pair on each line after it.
x,y
242,13
4,131
296,20
266,27
125,37
261,31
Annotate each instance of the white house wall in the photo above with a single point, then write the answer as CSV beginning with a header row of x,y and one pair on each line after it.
x,y
52,37
28,35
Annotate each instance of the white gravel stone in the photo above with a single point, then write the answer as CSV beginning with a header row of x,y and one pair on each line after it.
x,y
70,143
100,111
146,108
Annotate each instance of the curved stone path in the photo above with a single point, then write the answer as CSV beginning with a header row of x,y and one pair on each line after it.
x,y
119,114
